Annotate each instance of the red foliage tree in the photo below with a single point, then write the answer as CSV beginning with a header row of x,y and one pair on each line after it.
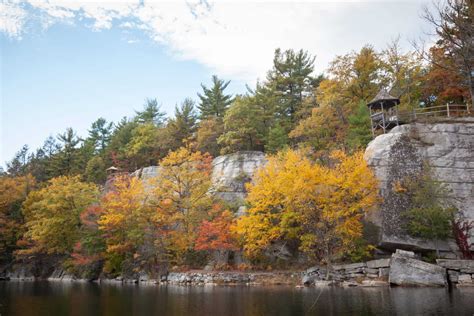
x,y
462,233
216,234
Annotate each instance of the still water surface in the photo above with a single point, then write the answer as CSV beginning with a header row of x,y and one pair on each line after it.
x,y
51,298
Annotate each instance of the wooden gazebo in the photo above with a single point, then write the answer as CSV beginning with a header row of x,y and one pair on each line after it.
x,y
383,111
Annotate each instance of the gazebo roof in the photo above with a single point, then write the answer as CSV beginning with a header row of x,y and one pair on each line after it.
x,y
383,98
113,168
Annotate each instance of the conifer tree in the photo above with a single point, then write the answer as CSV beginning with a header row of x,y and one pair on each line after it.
x,y
213,101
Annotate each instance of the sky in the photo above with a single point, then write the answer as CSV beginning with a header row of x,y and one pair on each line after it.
x,y
66,63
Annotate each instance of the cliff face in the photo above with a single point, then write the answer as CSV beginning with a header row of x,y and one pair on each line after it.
x,y
231,172
448,148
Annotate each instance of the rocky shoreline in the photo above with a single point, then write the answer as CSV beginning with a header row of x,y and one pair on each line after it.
x,y
403,268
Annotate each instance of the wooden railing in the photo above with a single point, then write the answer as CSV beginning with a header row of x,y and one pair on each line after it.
x,y
434,112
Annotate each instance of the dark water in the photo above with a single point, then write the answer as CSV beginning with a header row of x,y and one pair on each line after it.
x,y
43,298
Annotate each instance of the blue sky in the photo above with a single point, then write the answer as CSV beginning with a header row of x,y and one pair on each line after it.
x,y
64,64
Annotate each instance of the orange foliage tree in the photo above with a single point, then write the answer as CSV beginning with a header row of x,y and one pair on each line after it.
x,y
13,191
215,234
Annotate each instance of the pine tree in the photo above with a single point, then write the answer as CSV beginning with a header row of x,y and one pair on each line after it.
x,y
359,134
182,127
66,161
100,134
214,102
291,80
151,113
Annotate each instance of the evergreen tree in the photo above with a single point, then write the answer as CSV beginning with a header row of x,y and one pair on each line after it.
x,y
182,127
359,134
96,170
213,101
18,165
100,134
243,129
151,113
291,80
66,161
277,139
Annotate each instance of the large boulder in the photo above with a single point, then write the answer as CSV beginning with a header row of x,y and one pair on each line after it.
x,y
231,172
448,148
408,271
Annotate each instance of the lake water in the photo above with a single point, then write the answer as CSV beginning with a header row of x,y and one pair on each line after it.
x,y
51,298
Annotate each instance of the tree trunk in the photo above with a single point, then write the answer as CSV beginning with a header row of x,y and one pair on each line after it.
x,y
471,88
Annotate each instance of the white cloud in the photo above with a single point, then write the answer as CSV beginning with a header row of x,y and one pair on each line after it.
x,y
12,19
235,39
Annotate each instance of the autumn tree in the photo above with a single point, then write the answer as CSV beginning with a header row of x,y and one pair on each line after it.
x,y
319,207
52,214
13,191
404,73
353,78
182,199
454,24
207,134
215,235
214,102
127,223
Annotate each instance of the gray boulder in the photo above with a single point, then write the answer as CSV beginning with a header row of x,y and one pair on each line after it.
x,y
406,270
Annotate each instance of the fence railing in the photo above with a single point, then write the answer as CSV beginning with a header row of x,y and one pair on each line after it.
x,y
433,112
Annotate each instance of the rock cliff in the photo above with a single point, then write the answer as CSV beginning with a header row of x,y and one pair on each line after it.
x,y
231,172
448,148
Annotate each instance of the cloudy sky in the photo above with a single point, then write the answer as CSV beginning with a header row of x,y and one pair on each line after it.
x,y
66,63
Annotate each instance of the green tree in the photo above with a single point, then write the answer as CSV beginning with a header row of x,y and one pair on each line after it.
x,y
19,164
431,212
66,161
290,79
182,127
100,134
117,149
277,139
242,128
151,113
359,134
142,149
96,170
214,101
208,133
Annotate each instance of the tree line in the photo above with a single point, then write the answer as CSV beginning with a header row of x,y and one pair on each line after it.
x,y
311,196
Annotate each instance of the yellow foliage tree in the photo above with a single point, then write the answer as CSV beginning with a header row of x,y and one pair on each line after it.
x,y
128,225
52,214
319,206
181,197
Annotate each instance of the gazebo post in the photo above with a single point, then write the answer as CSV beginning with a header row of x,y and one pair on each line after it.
x,y
371,122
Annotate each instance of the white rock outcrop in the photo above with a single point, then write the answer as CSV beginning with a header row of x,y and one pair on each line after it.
x,y
448,148
231,172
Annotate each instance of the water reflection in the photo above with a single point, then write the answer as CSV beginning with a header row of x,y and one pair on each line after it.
x,y
61,298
